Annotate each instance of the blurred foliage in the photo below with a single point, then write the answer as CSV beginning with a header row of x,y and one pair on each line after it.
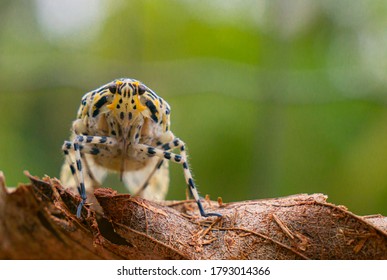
x,y
272,97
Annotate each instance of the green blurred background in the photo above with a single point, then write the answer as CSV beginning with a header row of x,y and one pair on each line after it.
x,y
272,97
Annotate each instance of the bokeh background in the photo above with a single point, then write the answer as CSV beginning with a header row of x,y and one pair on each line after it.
x,y
272,97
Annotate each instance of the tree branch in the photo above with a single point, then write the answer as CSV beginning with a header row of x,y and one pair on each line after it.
x,y
37,221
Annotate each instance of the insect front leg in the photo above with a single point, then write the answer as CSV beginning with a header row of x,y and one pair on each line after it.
x,y
67,147
83,145
76,171
180,159
177,143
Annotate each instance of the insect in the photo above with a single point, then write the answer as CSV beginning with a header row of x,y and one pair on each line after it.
x,y
124,127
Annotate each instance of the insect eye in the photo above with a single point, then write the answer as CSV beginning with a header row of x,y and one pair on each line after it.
x,y
113,88
141,89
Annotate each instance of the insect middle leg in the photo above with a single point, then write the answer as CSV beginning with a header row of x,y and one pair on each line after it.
x,y
145,184
180,159
83,145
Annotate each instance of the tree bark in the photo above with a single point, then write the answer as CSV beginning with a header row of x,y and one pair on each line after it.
x,y
37,221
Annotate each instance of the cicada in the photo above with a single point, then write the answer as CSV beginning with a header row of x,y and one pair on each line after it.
x,y
124,127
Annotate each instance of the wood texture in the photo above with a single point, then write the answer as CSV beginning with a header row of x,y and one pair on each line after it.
x,y
37,221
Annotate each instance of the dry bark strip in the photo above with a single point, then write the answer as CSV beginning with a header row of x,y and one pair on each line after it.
x,y
37,221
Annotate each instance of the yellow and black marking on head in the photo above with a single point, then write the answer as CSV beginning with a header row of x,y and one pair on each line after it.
x,y
125,99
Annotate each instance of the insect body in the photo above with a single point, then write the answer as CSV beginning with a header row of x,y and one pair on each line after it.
x,y
124,127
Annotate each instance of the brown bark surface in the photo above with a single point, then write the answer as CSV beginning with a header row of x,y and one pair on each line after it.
x,y
37,221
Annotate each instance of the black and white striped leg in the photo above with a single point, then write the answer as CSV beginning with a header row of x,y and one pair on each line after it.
x,y
181,159
80,145
167,147
76,172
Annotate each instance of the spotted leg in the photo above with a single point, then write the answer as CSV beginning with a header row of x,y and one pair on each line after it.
x,y
181,159
176,143
81,145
